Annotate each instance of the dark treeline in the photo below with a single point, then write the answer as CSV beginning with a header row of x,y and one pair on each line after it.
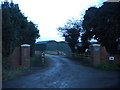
x,y
102,24
16,29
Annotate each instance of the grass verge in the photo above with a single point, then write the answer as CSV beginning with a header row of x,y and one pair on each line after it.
x,y
14,72
87,61
108,66
11,73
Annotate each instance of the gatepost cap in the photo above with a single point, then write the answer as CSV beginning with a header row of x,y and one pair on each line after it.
x,y
96,45
25,45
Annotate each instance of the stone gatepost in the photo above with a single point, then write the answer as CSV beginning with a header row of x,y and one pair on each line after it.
x,y
25,55
95,49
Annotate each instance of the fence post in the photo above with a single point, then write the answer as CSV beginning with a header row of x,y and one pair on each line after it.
x,y
25,55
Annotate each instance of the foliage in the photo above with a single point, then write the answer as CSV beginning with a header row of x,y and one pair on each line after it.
x,y
71,32
16,29
103,24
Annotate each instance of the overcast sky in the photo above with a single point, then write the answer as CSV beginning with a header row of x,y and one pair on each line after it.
x,y
50,14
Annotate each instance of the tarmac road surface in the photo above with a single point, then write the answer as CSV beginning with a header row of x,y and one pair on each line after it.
x,y
65,73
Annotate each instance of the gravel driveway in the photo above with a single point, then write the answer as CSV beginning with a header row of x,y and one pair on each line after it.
x,y
65,73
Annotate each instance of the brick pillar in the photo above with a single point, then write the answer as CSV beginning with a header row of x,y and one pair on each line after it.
x,y
25,55
96,54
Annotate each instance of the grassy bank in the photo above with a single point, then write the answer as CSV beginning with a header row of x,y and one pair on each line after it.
x,y
108,66
9,72
35,61
87,61
14,72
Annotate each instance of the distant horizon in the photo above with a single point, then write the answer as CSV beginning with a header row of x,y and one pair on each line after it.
x,y
47,40
92,40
